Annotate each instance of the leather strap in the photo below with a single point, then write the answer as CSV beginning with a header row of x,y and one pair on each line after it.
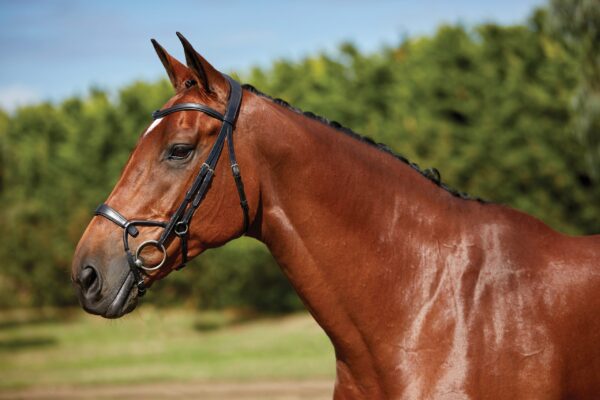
x,y
113,215
196,193
237,176
187,107
106,211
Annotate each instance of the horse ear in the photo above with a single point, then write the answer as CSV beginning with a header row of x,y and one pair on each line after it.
x,y
210,79
178,73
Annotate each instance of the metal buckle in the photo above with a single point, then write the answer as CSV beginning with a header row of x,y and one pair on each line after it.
x,y
140,264
212,171
183,231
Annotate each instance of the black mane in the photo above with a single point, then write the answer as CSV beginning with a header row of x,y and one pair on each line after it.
x,y
430,173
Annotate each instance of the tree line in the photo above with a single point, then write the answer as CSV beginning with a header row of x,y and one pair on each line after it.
x,y
503,112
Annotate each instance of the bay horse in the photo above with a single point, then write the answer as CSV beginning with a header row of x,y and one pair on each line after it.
x,y
423,293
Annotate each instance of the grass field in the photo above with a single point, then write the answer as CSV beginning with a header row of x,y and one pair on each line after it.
x,y
50,349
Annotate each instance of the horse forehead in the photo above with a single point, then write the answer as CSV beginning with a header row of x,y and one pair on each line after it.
x,y
183,123
153,126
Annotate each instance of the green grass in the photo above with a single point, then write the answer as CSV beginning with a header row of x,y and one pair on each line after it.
x,y
54,348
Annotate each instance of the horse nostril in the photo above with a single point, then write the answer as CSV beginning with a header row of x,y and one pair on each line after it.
x,y
89,278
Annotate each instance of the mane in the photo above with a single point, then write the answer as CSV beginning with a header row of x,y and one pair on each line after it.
x,y
432,174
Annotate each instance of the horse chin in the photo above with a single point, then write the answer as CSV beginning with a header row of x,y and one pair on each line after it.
x,y
126,308
124,301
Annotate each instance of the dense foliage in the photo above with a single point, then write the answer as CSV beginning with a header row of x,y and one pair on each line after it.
x,y
577,24
490,107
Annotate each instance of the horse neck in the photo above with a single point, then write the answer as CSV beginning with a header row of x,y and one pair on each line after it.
x,y
344,220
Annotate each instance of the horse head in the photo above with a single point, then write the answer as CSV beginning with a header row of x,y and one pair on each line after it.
x,y
149,226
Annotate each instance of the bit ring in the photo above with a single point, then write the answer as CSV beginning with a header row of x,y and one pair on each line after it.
x,y
147,243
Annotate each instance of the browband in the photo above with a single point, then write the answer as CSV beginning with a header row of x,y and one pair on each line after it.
x,y
187,107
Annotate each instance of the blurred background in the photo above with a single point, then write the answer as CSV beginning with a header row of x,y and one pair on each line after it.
x,y
503,98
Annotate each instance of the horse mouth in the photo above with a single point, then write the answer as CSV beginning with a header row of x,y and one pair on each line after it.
x,y
124,301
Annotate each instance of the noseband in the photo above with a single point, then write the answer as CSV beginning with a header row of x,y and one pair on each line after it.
x,y
179,223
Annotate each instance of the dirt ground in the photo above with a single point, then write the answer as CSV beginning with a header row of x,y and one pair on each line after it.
x,y
280,390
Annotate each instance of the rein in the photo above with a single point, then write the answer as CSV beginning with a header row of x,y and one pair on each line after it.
x,y
179,223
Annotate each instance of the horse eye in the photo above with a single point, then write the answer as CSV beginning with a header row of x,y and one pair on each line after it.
x,y
180,152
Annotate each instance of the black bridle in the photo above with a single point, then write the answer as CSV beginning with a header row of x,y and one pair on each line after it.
x,y
179,222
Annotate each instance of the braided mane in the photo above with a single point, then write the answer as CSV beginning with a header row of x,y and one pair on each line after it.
x,y
430,173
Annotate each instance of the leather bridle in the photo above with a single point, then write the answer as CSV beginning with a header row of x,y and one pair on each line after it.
x,y
179,223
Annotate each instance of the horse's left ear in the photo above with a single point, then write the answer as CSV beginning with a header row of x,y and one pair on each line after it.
x,y
209,78
178,73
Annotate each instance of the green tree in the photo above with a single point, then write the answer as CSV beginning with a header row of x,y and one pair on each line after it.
x,y
577,23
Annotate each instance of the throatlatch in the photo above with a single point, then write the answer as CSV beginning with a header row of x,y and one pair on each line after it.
x,y
179,223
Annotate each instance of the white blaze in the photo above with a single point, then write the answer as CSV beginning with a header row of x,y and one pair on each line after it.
x,y
152,126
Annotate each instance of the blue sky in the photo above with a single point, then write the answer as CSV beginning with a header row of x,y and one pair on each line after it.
x,y
54,49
